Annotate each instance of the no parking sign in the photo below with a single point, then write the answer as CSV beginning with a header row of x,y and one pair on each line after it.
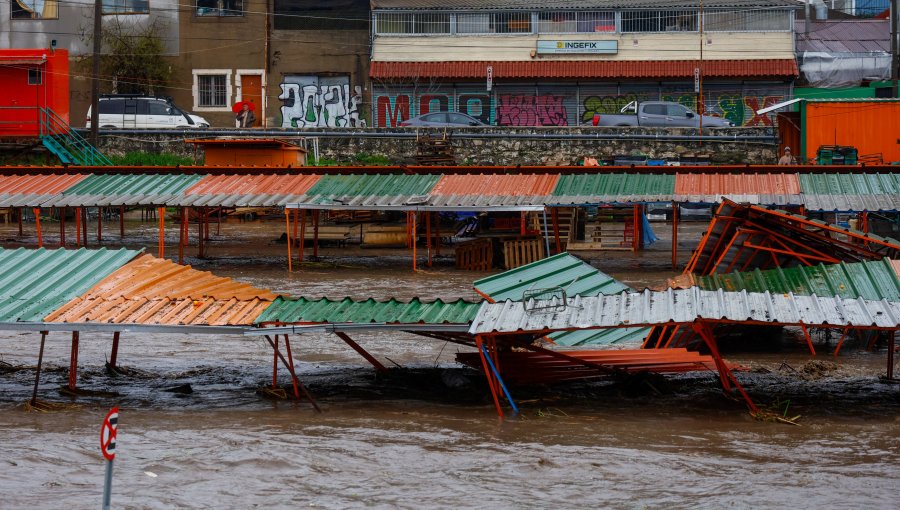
x,y
108,434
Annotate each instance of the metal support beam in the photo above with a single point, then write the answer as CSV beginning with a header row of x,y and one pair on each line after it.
x,y
725,374
161,213
362,352
302,247
479,342
121,221
676,209
316,214
114,353
37,374
278,355
73,362
287,233
37,225
809,343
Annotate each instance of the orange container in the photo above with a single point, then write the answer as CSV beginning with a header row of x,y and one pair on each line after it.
x,y
872,126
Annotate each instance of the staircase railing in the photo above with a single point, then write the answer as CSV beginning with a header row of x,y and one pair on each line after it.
x,y
68,144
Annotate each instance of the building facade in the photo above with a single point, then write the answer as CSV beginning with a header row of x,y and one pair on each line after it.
x,y
517,63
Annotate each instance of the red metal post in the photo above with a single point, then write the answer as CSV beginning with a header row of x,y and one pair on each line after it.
x,y
676,209
287,230
21,213
275,363
37,225
428,236
77,225
809,343
182,234
413,240
634,229
73,362
62,225
522,226
437,233
725,374
114,354
290,357
161,212
837,348
479,343
302,247
84,227
890,355
316,234
296,224
121,221
99,225
362,352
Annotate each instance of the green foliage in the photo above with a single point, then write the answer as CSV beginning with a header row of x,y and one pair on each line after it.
x,y
132,61
362,158
150,159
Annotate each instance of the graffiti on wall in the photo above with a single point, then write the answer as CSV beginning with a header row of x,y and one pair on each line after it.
x,y
530,110
313,101
559,109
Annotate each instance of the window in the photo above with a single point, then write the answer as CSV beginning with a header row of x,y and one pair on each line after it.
x,y
676,110
655,109
751,21
319,15
112,106
659,21
33,9
412,23
576,22
494,23
126,6
220,7
158,108
35,76
212,90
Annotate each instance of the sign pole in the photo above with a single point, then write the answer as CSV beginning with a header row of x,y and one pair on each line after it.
x,y
108,447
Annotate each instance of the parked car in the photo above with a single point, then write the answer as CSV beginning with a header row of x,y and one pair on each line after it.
x,y
658,114
143,112
442,119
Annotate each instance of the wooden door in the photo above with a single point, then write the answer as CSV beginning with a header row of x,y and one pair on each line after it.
x,y
251,90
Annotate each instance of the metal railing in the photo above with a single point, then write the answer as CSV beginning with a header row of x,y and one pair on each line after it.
x,y
64,141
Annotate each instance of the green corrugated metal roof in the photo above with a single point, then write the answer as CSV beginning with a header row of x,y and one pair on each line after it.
x,y
650,187
134,184
392,311
34,283
869,280
850,184
577,278
373,185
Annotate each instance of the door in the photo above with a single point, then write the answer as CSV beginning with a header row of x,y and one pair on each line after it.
x,y
652,114
251,90
160,115
677,116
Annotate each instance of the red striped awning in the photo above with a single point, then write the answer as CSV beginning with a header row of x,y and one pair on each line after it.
x,y
598,69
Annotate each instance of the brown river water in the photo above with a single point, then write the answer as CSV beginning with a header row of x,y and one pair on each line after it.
x,y
426,435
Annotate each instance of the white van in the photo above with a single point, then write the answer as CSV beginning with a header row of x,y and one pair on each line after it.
x,y
143,112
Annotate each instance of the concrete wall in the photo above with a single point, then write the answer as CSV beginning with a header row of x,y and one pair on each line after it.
x,y
499,151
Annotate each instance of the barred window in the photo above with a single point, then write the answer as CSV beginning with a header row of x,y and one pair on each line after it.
x,y
412,23
576,22
211,90
659,21
126,6
494,23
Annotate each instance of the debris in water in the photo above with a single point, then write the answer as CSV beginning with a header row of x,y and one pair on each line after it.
x,y
151,474
817,369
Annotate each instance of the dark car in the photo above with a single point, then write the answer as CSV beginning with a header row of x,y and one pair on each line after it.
x,y
442,119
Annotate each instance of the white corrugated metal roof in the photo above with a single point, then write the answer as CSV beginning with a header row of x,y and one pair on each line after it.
x,y
682,306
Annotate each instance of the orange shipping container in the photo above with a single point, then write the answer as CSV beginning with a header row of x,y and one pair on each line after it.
x,y
872,126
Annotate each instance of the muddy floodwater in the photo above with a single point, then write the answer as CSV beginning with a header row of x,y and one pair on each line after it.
x,y
194,433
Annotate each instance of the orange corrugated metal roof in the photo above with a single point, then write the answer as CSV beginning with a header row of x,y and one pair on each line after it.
x,y
252,142
737,184
149,290
587,69
38,184
494,185
253,184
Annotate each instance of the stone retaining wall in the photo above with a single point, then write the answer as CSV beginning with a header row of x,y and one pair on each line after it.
x,y
500,146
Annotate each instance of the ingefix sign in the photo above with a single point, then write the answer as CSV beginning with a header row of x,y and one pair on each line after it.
x,y
591,47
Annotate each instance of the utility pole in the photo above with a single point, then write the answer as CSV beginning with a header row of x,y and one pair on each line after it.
x,y
894,64
95,79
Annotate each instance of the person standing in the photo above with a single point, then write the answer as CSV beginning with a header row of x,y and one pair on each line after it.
x,y
245,117
788,158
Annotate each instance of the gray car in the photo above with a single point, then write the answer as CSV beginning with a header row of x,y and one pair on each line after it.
x,y
442,119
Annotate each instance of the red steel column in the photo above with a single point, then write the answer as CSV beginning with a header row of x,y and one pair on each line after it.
x,y
287,230
114,353
316,234
37,225
428,236
99,225
62,225
675,210
73,362
302,247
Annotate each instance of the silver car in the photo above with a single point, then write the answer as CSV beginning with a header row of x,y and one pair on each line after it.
x,y
442,119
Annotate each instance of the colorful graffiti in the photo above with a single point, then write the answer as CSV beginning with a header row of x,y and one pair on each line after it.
x,y
561,108
529,110
313,101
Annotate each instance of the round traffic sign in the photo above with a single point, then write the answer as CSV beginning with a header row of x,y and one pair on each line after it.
x,y
108,434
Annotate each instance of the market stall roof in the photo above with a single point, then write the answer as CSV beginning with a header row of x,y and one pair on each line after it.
x,y
743,237
584,189
868,280
555,275
125,189
683,307
491,190
247,190
33,283
347,310
156,291
588,4
31,190
850,192
766,189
